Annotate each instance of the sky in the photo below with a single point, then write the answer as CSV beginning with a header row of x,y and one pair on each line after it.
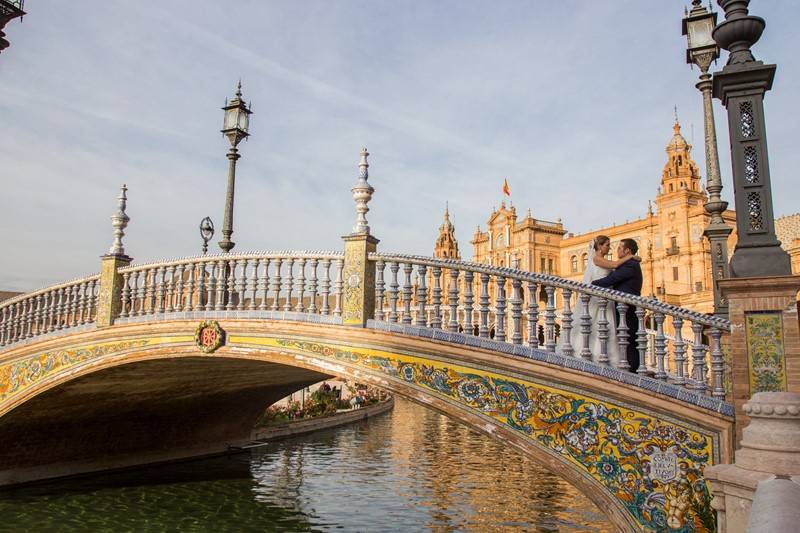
x,y
572,102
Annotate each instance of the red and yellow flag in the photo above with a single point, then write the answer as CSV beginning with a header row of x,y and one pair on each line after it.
x,y
506,189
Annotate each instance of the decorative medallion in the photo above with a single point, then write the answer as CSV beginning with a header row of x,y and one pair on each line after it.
x,y
209,336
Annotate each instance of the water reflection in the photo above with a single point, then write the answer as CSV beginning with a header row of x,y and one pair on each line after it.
x,y
409,470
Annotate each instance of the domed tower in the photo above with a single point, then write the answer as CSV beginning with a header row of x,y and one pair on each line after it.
x,y
446,243
680,172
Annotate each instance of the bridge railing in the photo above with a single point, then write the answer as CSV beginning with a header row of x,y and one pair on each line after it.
x,y
551,313
67,305
307,282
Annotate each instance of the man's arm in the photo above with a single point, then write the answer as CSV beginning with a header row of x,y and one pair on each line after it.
x,y
623,273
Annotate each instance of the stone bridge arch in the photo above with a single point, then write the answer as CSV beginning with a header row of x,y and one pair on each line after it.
x,y
636,452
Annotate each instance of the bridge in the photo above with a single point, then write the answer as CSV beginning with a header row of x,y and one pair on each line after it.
x,y
172,359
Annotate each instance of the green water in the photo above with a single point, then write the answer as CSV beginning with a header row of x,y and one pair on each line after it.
x,y
408,470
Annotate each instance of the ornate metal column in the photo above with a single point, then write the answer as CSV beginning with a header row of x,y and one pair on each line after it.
x,y
741,85
235,128
9,10
697,26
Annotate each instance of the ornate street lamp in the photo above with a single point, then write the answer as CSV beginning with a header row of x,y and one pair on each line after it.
x,y
9,10
741,86
206,232
697,26
235,128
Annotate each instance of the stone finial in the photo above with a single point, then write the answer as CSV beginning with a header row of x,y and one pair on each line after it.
x,y
362,194
120,221
771,442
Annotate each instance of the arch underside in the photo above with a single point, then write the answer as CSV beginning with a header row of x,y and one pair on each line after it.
x,y
149,398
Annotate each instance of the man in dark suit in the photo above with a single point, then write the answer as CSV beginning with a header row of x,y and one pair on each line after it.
x,y
627,278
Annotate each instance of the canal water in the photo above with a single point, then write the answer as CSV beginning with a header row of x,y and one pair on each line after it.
x,y
408,470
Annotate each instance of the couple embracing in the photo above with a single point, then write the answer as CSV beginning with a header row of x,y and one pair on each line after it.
x,y
623,274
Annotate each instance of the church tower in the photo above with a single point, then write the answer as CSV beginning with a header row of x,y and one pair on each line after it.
x,y
680,171
446,243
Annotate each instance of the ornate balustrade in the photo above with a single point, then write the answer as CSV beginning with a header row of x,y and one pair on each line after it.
x,y
551,313
507,305
305,282
67,305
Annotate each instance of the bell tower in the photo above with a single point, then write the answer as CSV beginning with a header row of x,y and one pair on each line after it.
x,y
680,172
446,244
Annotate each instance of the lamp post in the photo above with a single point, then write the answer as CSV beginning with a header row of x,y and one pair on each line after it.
x,y
206,232
741,86
697,26
235,126
9,10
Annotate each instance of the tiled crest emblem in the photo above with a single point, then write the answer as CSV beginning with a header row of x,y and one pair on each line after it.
x,y
209,336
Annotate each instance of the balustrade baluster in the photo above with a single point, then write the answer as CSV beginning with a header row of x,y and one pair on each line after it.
x,y
222,285
15,322
586,327
483,328
151,281
126,295
69,310
566,323
325,287
516,310
338,287
698,360
8,321
94,292
679,347
229,268
380,287
169,272
661,346
41,327
717,364
550,320
198,272
137,293
29,318
60,311
241,283
641,340
288,287
81,302
161,277
263,283
276,284
211,285
422,295
469,300
452,325
436,300
300,284
623,336
533,314
51,311
393,291
500,310
3,318
407,292
602,330
37,311
312,286
180,273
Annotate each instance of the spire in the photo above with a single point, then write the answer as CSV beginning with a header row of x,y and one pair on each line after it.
x,y
120,221
362,194
446,243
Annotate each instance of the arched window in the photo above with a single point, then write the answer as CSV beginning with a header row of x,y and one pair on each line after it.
x,y
498,243
671,189
584,260
574,263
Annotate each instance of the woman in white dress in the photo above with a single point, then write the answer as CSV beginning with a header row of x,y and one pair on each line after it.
x,y
598,266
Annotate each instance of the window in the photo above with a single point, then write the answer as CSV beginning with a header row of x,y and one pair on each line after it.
x,y
584,260
542,263
550,268
671,188
673,242
675,276
573,263
499,242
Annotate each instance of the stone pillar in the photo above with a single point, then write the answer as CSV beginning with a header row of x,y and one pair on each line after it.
x,y
765,341
109,299
359,279
769,449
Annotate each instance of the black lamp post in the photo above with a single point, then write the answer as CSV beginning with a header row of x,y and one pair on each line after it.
x,y
697,26
235,126
741,85
206,232
9,10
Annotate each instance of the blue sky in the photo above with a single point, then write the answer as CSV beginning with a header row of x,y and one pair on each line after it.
x,y
571,101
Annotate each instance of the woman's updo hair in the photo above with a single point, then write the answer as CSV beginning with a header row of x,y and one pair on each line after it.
x,y
600,240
